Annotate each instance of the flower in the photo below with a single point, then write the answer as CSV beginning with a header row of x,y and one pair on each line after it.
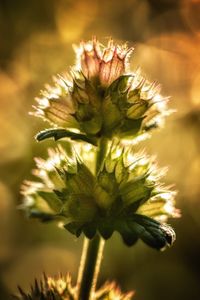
x,y
101,98
125,196
104,63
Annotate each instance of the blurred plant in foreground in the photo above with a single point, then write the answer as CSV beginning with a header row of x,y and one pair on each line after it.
x,y
61,289
111,109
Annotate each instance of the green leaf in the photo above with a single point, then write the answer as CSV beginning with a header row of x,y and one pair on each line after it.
x,y
129,236
62,133
44,217
153,233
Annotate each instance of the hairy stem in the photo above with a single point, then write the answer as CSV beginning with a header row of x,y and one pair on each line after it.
x,y
88,272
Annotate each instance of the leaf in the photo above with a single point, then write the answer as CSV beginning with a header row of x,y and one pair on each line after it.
x,y
44,217
62,133
153,233
129,236
52,200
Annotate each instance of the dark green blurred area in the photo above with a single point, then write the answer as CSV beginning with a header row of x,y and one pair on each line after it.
x,y
35,43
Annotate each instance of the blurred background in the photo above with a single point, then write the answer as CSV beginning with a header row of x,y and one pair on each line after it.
x,y
35,43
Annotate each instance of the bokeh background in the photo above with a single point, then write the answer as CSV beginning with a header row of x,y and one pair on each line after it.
x,y
35,43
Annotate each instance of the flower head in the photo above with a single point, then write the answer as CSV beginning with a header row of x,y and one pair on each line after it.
x,y
126,196
101,98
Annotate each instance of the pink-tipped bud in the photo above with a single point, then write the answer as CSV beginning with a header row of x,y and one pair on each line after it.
x,y
107,63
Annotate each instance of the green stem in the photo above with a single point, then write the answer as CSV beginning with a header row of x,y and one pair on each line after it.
x,y
82,265
88,272
92,252
101,152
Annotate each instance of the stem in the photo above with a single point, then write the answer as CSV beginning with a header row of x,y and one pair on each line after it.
x,y
101,152
88,272
82,264
92,252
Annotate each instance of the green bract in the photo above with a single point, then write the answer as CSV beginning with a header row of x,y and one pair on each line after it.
x,y
125,196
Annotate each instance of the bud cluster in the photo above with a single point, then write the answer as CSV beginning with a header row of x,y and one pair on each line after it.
x,y
125,196
101,98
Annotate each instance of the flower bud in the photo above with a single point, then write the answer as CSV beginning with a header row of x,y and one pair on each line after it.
x,y
103,63
89,58
113,63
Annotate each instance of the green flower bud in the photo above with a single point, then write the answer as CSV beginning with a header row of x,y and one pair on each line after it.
x,y
125,196
102,99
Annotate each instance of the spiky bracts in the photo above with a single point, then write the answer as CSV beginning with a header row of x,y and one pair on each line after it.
x,y
60,288
125,196
49,288
101,98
